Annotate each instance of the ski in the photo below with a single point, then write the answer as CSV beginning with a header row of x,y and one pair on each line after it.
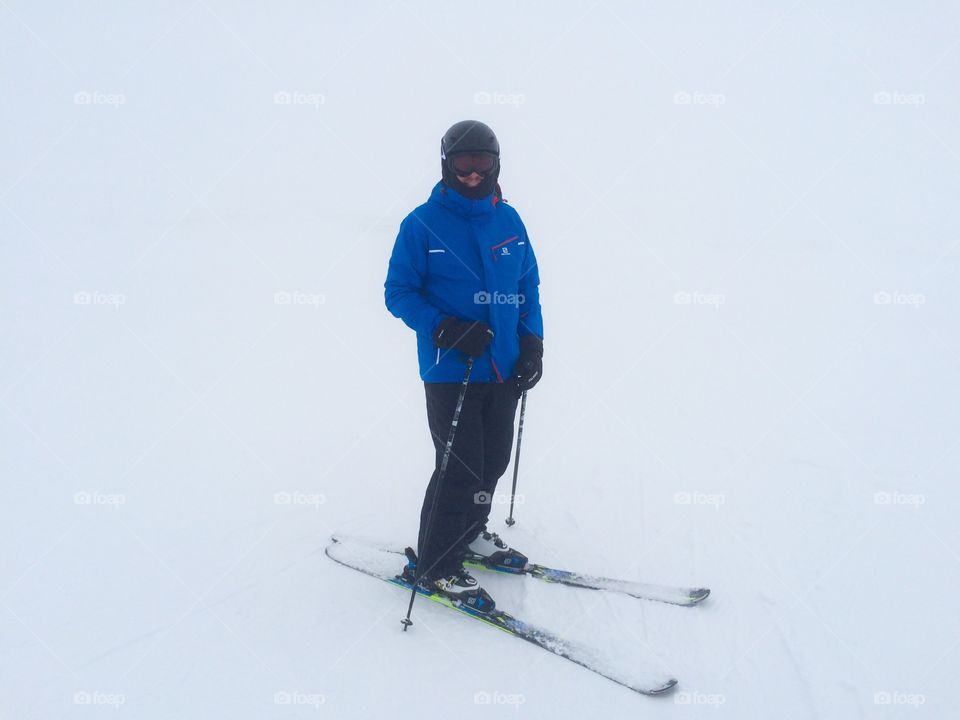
x,y
383,564
684,596
645,591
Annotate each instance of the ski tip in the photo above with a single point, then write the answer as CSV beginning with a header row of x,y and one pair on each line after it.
x,y
699,595
662,689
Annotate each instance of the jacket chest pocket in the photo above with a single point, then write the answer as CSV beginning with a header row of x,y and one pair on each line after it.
x,y
507,255
508,248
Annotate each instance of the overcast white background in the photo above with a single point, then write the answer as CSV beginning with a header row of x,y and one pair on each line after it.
x,y
745,218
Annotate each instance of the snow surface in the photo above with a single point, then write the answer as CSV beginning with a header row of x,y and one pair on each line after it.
x,y
745,216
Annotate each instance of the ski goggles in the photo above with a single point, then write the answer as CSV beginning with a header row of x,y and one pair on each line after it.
x,y
467,163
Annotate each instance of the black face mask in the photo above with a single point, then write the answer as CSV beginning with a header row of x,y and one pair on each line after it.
x,y
481,191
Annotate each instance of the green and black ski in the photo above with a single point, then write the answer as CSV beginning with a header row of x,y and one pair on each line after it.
x,y
384,564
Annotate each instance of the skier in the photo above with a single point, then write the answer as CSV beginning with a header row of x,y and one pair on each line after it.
x,y
463,276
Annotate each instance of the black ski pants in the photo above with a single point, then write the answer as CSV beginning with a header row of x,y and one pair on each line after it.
x,y
479,456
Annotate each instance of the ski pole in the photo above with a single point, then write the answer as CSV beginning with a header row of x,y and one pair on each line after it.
x,y
516,460
407,622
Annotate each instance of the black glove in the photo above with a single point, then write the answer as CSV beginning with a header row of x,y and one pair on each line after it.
x,y
467,336
529,368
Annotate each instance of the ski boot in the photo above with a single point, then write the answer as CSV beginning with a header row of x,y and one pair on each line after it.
x,y
460,587
488,549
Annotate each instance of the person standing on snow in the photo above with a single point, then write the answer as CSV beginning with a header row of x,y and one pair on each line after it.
x,y
463,276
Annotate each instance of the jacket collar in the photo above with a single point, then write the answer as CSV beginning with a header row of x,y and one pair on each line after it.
x,y
454,201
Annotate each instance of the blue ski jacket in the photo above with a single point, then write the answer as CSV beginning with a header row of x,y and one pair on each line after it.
x,y
470,259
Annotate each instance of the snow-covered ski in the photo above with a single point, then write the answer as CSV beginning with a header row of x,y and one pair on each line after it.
x,y
383,564
685,596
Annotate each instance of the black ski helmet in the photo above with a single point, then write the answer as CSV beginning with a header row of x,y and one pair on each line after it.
x,y
469,136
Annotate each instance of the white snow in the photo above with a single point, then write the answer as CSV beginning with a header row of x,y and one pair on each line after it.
x,y
745,216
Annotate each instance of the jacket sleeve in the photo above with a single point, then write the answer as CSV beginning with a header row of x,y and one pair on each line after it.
x,y
531,316
406,277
